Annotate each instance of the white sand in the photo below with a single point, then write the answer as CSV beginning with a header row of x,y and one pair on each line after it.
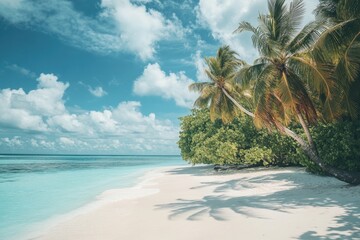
x,y
195,203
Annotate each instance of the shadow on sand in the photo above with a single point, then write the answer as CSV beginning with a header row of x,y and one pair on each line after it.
x,y
306,190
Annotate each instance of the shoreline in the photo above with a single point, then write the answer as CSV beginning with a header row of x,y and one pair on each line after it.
x,y
279,203
106,197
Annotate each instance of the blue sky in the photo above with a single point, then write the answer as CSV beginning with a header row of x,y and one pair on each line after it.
x,y
108,76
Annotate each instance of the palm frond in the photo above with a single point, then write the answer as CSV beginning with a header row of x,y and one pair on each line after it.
x,y
245,26
326,9
348,67
286,91
304,103
294,17
221,71
306,37
248,73
330,43
199,86
265,80
215,106
318,76
202,101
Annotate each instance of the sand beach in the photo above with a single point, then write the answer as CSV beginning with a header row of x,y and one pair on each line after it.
x,y
198,203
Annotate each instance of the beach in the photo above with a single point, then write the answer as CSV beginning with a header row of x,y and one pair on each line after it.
x,y
198,203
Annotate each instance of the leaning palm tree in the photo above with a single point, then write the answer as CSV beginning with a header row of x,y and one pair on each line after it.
x,y
288,84
220,94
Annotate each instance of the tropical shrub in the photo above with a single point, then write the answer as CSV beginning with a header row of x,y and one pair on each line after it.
x,y
339,145
203,141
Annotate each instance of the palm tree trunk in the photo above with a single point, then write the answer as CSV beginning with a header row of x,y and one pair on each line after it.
x,y
342,175
308,148
306,130
311,152
237,104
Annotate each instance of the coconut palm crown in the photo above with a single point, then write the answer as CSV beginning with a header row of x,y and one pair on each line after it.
x,y
215,94
292,79
288,84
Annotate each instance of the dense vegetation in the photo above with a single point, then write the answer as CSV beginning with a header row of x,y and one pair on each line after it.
x,y
240,143
303,85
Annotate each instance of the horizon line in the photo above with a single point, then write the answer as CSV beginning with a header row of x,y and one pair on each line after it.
x,y
80,154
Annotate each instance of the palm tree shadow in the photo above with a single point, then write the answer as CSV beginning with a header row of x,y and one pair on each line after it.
x,y
305,190
194,170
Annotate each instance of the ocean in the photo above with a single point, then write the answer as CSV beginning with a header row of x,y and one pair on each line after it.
x,y
35,188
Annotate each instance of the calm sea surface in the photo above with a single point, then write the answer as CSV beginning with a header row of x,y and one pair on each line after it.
x,y
34,188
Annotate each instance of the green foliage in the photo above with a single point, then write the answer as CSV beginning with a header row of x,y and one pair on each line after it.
x,y
220,72
284,150
301,77
202,141
256,155
338,144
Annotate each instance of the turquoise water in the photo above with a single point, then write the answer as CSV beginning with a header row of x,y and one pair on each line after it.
x,y
35,188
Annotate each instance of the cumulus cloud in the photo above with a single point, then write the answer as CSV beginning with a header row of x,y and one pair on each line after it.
x,y
128,112
140,28
155,82
66,123
54,128
45,100
120,25
26,110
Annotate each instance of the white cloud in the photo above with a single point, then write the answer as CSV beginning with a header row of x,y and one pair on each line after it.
x,y
26,110
128,112
200,65
12,116
223,17
103,121
137,30
47,144
66,123
155,82
54,128
139,27
45,100
11,142
97,91
66,141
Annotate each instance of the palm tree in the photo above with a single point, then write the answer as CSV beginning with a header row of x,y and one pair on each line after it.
x,y
288,84
220,93
339,45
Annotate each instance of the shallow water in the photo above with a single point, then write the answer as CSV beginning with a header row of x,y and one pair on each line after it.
x,y
34,188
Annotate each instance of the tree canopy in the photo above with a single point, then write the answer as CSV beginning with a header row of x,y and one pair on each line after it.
x,y
302,77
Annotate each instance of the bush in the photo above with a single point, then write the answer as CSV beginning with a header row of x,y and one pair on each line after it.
x,y
202,141
338,145
256,155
